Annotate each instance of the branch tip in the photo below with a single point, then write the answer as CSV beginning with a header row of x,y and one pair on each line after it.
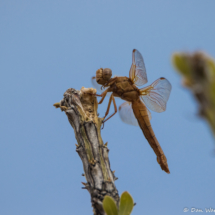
x,y
56,105
64,108
85,184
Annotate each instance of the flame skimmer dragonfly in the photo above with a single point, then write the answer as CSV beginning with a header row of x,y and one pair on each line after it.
x,y
134,111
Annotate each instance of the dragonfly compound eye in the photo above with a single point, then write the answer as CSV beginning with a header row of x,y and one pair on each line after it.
x,y
103,75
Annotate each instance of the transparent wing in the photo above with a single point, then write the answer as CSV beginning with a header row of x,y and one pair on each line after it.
x,y
127,115
96,85
137,72
156,95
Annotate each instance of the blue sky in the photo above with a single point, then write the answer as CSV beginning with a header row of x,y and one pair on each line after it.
x,y
47,47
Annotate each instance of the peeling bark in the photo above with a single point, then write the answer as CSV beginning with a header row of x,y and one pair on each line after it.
x,y
81,110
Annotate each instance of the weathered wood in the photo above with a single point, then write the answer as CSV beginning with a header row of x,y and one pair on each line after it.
x,y
81,110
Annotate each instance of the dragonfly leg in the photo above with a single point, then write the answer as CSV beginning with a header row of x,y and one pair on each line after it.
x,y
108,108
97,95
107,111
103,124
115,108
103,95
94,94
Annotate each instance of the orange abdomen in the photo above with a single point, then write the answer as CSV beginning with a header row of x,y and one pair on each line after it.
x,y
140,112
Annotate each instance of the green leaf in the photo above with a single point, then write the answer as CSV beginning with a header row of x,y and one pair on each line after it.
x,y
211,65
110,206
181,64
126,204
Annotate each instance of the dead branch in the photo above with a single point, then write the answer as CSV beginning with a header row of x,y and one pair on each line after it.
x,y
81,110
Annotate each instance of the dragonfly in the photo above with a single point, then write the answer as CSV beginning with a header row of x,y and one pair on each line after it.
x,y
134,110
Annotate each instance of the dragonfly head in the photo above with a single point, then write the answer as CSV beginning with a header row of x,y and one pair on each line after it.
x,y
103,75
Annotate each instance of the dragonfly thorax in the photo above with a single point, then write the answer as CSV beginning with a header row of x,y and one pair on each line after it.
x,y
123,88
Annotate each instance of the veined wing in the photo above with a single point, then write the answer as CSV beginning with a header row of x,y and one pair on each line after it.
x,y
156,95
127,115
137,73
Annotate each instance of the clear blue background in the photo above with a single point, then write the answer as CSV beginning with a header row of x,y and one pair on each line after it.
x,y
47,47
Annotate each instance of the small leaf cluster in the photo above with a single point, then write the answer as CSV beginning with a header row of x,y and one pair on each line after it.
x,y
125,206
198,72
